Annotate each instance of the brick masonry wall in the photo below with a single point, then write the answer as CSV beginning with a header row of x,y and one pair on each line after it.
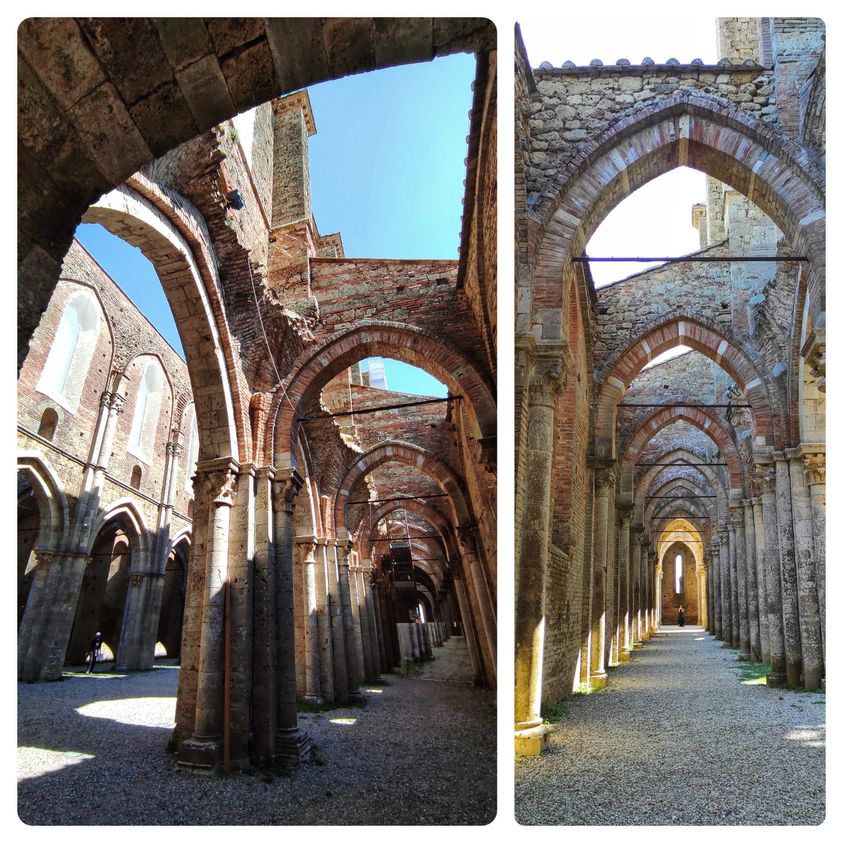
x,y
135,341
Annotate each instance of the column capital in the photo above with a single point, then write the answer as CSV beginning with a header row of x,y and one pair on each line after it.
x,y
550,371
174,448
604,475
286,484
813,350
814,465
765,475
625,511
217,480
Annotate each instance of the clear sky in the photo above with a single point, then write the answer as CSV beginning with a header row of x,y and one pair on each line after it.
x,y
387,171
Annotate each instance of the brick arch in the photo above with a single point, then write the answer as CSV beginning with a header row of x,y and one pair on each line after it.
x,y
705,421
690,332
422,510
407,454
91,116
317,366
685,129
147,220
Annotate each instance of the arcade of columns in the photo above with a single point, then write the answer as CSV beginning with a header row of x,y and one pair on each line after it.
x,y
716,456
283,578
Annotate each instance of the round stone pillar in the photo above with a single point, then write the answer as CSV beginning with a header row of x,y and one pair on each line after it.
x,y
813,457
806,575
761,579
790,582
624,518
546,380
291,743
604,482
751,582
726,584
766,476
737,527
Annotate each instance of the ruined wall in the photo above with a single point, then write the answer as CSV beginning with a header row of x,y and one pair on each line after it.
x,y
135,339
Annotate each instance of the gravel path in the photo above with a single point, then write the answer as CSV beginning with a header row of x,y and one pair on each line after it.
x,y
91,752
677,739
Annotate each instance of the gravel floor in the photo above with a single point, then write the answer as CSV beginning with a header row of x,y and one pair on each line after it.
x,y
91,752
677,739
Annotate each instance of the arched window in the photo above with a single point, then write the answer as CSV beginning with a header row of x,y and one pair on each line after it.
x,y
137,474
66,369
47,426
192,453
679,573
147,406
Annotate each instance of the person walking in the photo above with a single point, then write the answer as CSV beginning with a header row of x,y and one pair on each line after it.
x,y
681,617
95,650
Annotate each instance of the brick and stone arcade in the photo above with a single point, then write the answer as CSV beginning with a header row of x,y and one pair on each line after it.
x,y
245,510
698,481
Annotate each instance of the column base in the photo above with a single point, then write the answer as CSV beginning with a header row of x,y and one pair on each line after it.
x,y
354,697
776,680
313,699
638,645
744,657
532,742
598,681
201,755
291,745
623,656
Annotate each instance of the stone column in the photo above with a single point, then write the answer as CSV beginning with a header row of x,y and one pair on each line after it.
x,y
217,482
352,644
790,584
766,475
361,630
636,538
737,528
263,623
545,383
702,591
751,582
337,626
323,620
624,517
468,631
291,743
761,579
371,619
716,600
646,583
604,480
814,461
806,575
726,585
312,668
612,590
467,537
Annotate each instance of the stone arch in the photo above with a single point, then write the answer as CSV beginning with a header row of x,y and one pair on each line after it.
x,y
47,490
144,216
408,454
684,129
127,510
705,421
691,332
318,365
679,529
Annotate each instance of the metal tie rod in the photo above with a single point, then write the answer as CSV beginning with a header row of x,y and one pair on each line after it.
x,y
680,497
679,404
384,407
694,259
404,498
680,463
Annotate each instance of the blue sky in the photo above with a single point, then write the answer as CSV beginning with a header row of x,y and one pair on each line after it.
x,y
386,172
